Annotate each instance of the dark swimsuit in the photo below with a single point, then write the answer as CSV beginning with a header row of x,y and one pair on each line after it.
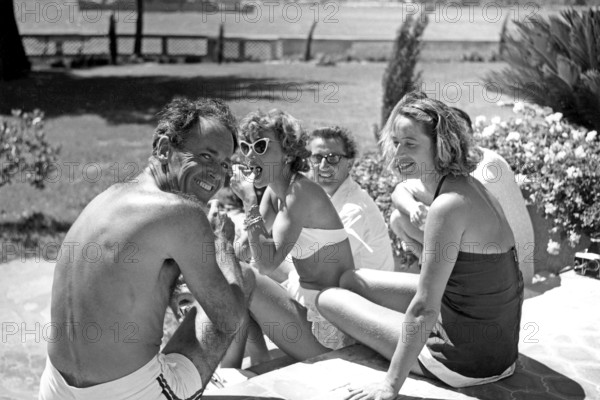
x,y
477,332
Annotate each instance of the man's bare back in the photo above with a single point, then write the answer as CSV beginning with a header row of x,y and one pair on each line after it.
x,y
120,261
103,313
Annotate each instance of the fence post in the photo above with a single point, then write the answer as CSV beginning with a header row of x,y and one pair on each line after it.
x,y
211,49
59,47
274,48
242,50
164,46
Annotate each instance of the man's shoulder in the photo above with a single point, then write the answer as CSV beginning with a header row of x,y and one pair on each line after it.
x,y
172,209
359,197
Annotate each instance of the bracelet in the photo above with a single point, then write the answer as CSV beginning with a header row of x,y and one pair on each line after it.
x,y
248,222
253,211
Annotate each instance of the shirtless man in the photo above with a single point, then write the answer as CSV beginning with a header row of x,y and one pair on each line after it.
x,y
109,308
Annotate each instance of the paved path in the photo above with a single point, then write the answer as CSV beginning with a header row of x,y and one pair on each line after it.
x,y
560,345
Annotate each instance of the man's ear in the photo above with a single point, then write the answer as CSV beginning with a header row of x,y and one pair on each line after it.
x,y
163,149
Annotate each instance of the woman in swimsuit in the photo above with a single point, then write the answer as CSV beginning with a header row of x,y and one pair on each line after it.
x,y
458,320
295,220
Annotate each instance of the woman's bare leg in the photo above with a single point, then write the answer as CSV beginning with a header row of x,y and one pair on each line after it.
x,y
394,290
283,320
376,326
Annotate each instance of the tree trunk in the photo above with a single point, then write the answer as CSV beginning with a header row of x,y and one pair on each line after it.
x,y
13,60
139,24
112,39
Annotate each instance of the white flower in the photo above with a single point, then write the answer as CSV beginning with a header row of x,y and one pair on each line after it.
x,y
518,121
591,135
521,179
36,121
556,117
561,155
518,107
580,152
503,124
553,247
573,172
480,120
574,239
513,136
550,208
488,131
577,134
559,128
529,146
496,120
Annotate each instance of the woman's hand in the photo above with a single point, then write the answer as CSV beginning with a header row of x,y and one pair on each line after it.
x,y
375,391
242,184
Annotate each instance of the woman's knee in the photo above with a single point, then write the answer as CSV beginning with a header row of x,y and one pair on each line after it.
x,y
348,280
329,300
400,223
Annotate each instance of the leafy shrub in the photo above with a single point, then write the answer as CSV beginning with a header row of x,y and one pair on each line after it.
x,y
371,173
556,63
557,165
25,154
399,77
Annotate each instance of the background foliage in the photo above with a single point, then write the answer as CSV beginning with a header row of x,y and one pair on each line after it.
x,y
557,165
555,62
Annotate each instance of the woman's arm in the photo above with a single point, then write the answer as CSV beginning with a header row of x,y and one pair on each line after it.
x,y
443,231
267,253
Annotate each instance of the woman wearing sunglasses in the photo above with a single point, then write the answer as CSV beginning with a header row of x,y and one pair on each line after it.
x,y
295,220
457,321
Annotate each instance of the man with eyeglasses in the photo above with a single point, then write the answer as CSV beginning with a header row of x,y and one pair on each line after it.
x,y
333,151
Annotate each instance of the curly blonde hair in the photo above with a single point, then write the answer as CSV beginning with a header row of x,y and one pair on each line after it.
x,y
288,130
454,152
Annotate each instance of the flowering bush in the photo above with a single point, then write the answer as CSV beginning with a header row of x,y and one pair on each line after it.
x,y
557,165
25,154
371,173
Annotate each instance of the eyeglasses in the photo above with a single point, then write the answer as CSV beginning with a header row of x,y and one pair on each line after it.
x,y
259,147
332,159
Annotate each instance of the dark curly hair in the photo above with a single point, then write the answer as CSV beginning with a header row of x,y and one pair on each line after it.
x,y
288,130
181,114
454,152
337,132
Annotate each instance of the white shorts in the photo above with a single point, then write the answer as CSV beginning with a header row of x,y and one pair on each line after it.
x,y
325,332
165,377
455,379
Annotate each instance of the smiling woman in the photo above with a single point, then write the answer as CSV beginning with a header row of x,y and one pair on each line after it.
x,y
438,324
295,222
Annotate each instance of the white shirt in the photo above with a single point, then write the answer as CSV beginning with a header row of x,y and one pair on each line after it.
x,y
366,227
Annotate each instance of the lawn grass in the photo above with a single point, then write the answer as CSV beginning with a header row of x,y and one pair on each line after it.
x,y
103,118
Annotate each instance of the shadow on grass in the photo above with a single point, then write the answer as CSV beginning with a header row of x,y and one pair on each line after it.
x,y
133,99
33,235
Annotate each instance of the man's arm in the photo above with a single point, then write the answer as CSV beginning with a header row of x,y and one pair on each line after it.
x,y
209,267
403,198
411,198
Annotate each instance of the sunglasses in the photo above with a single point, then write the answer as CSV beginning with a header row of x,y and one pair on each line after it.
x,y
259,147
332,159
